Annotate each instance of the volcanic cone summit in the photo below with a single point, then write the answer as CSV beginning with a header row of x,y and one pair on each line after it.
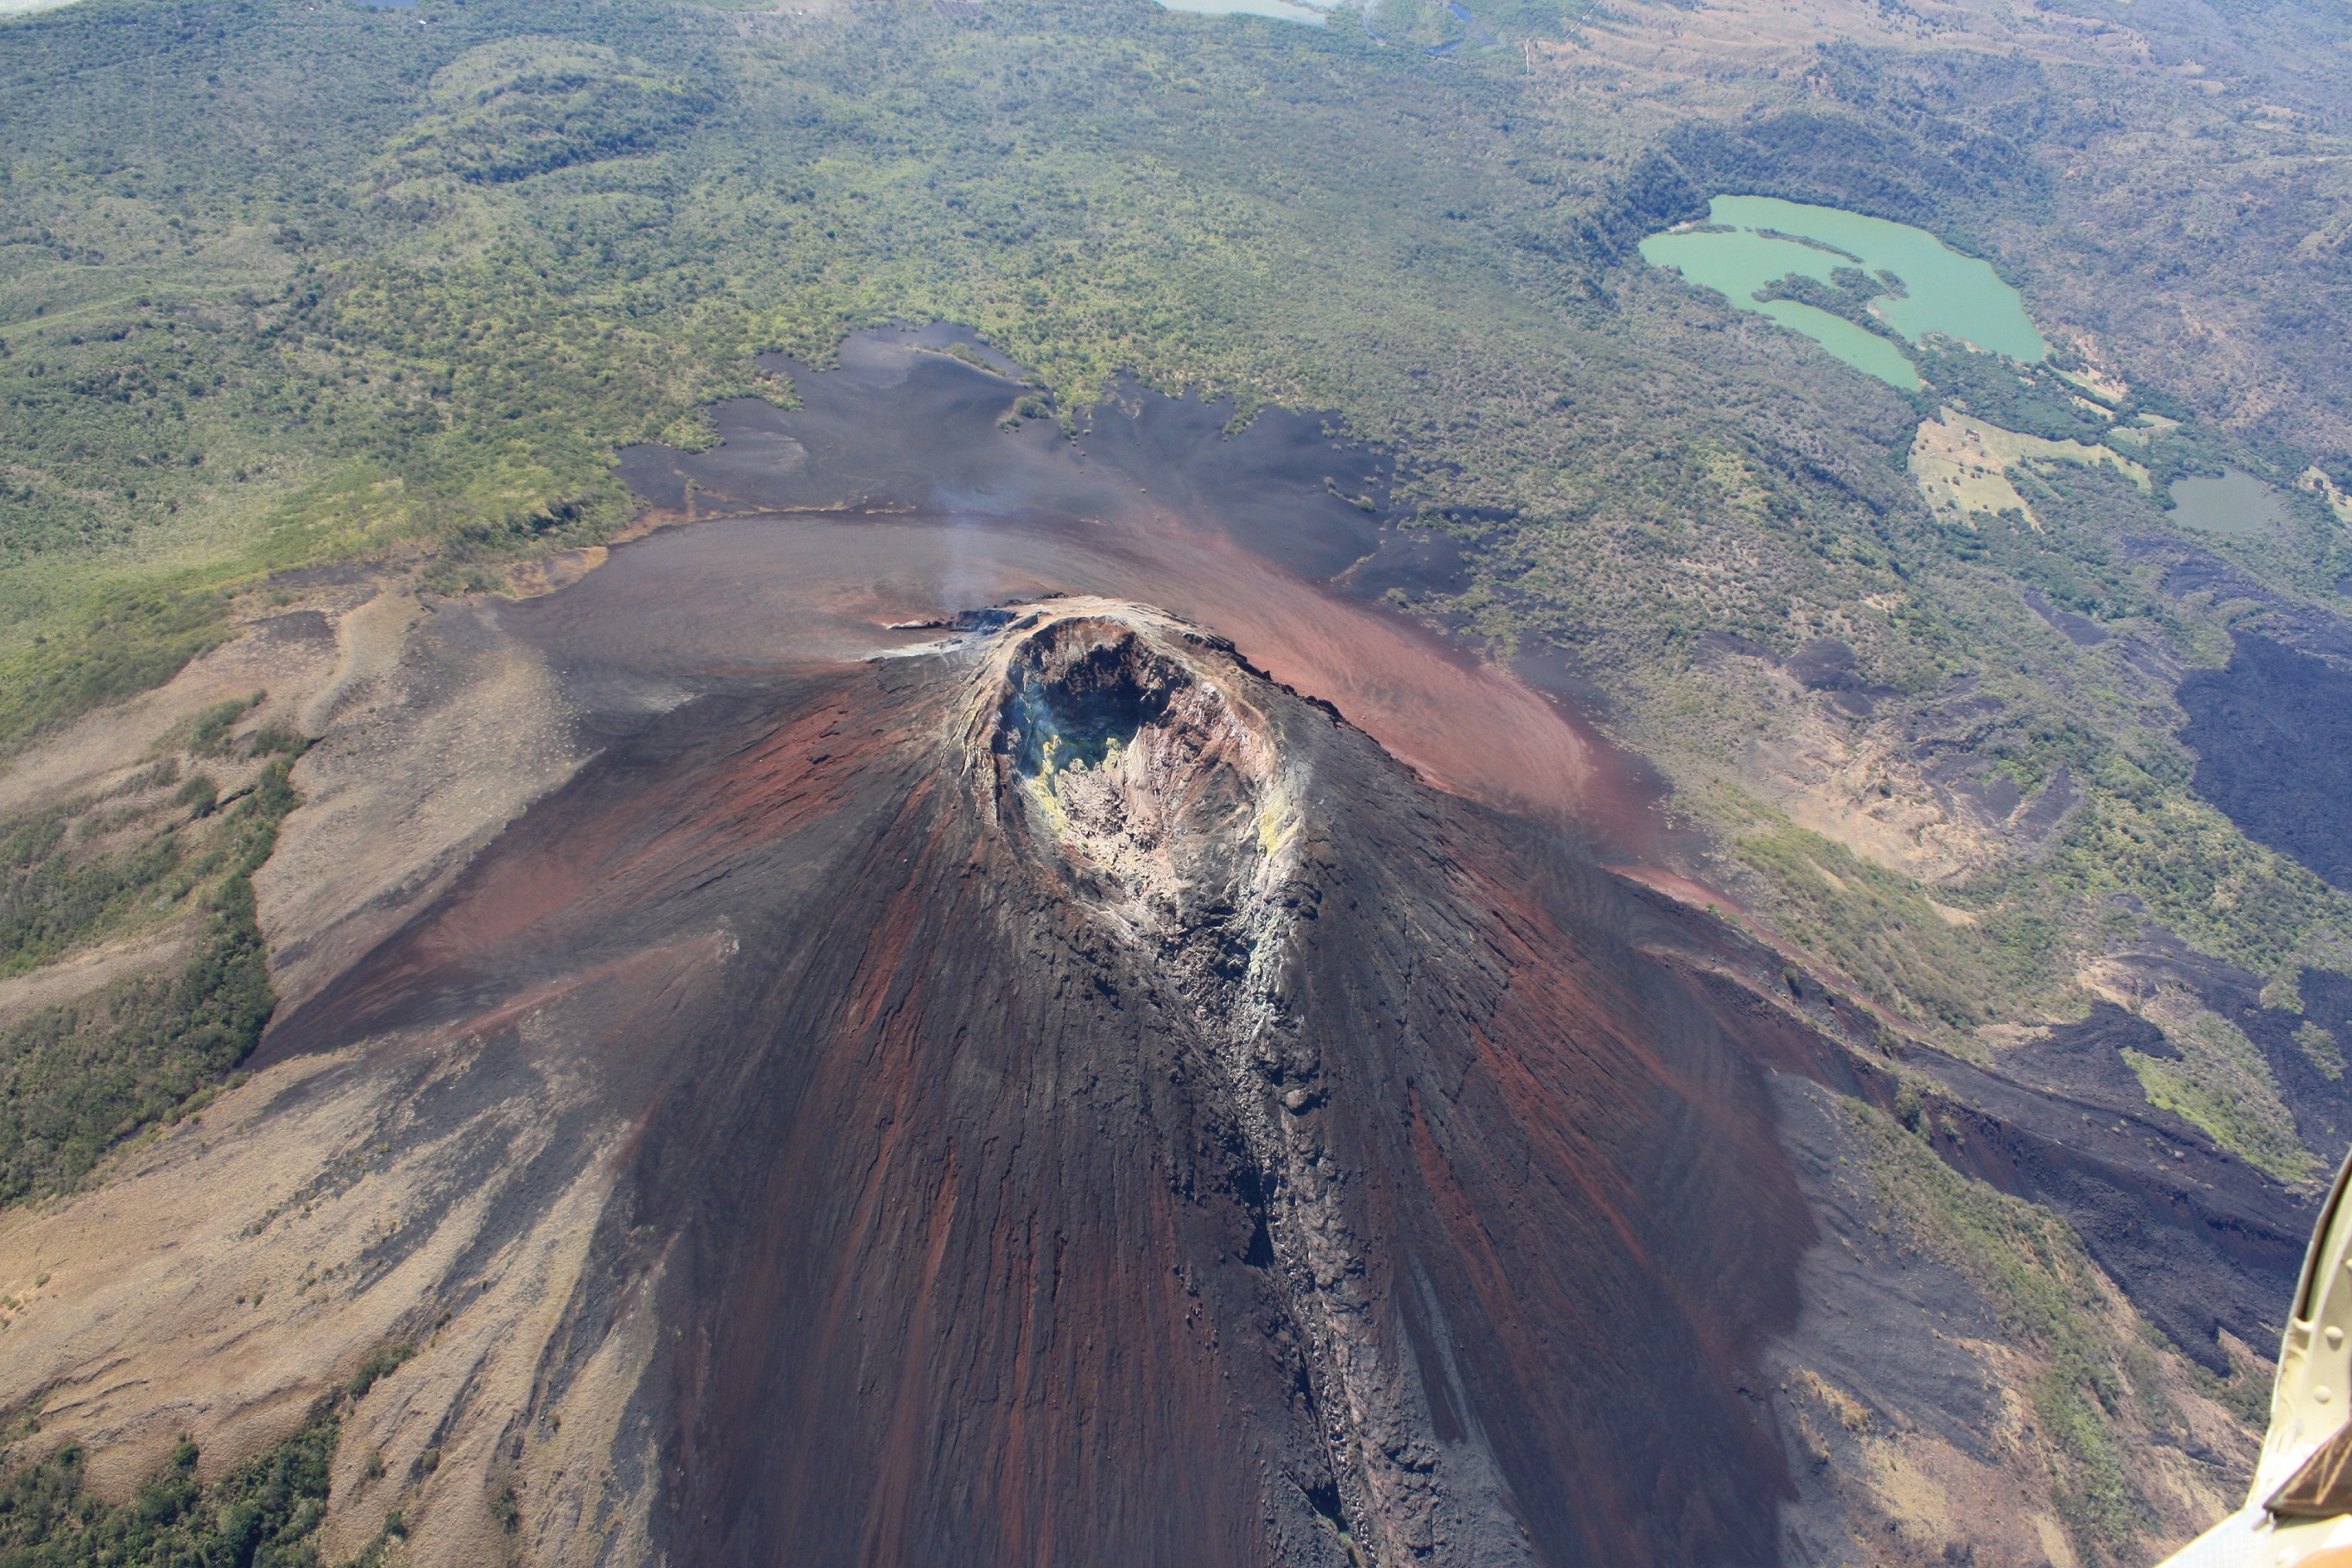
x,y
1122,744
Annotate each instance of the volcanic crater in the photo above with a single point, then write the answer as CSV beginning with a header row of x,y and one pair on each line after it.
x,y
1117,746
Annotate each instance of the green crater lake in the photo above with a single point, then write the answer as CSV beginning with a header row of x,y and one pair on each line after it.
x,y
2237,502
1749,242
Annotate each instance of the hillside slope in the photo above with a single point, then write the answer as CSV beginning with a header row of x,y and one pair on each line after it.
x,y
1663,950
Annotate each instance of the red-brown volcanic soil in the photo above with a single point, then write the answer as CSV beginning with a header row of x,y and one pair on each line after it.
x,y
1262,535
1068,1093
1270,1148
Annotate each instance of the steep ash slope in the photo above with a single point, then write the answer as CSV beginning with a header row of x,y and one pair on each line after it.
x,y
1030,1086
830,1119
1138,1121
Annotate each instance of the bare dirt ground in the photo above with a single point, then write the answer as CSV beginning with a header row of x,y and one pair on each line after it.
x,y
223,1275
1670,61
289,652
79,973
432,732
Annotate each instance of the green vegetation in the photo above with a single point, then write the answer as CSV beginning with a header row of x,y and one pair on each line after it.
x,y
129,642
2032,400
530,106
2322,1047
2221,1084
1967,667
52,900
1846,295
1880,928
383,1359
77,1078
2198,874
263,1514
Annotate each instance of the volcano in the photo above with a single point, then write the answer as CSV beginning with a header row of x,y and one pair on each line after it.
x,y
1086,1104
959,1011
